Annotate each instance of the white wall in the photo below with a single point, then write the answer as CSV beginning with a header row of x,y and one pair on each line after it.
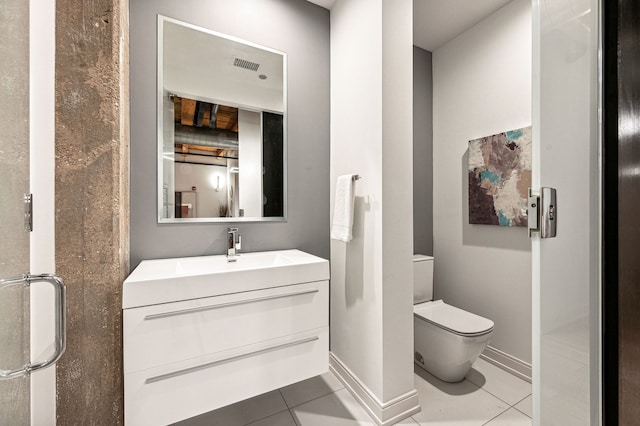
x,y
482,86
250,162
204,178
371,135
356,147
397,195
167,186
42,178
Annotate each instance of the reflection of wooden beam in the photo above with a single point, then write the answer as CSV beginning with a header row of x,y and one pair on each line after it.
x,y
198,147
227,118
207,150
177,109
188,111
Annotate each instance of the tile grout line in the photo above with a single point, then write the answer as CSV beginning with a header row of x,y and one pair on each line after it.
x,y
495,417
507,409
509,406
497,397
312,399
479,387
272,414
283,398
265,417
520,411
522,399
506,402
295,420
517,409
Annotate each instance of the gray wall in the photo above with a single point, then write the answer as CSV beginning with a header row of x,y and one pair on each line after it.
x,y
422,152
296,27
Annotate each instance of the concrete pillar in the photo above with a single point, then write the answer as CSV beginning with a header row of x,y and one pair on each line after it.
x,y
92,203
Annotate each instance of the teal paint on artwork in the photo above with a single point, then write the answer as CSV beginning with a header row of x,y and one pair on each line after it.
x,y
503,220
490,176
512,135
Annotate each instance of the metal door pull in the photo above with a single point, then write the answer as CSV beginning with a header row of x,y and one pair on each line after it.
x,y
60,324
230,359
227,304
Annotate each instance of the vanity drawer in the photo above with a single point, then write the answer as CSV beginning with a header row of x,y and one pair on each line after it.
x,y
175,392
172,332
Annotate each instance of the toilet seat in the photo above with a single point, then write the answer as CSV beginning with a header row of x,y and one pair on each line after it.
x,y
453,319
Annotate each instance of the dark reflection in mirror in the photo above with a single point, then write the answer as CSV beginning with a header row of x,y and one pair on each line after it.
x,y
272,158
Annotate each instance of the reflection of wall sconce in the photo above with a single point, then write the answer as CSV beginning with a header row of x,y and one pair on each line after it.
x,y
216,181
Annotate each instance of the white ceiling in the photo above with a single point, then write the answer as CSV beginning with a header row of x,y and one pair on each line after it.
x,y
206,71
435,22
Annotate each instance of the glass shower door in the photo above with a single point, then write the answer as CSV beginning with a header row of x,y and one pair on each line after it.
x,y
566,314
14,184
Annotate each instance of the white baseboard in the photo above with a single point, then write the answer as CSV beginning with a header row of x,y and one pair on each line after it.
x,y
384,414
507,362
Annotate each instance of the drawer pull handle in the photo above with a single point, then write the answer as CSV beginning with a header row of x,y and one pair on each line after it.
x,y
227,304
232,358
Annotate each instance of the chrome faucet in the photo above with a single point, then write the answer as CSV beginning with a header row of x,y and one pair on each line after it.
x,y
234,244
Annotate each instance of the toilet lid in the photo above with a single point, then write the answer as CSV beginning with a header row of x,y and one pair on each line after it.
x,y
453,319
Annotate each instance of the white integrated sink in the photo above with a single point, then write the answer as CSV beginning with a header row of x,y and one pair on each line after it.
x,y
170,280
209,264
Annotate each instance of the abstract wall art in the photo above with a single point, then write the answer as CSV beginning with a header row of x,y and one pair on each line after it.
x,y
499,176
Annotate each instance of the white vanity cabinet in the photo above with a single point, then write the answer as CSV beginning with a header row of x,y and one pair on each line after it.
x,y
189,356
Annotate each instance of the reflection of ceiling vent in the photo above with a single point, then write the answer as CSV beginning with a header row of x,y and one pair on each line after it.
x,y
248,65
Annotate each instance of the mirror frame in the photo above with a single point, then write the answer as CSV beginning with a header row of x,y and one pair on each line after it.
x,y
160,125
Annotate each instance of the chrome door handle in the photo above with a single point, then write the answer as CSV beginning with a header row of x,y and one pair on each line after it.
x,y
61,322
542,212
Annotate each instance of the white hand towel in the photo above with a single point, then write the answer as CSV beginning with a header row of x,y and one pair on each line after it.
x,y
341,228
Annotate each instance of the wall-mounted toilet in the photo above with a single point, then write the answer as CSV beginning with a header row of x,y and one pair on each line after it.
x,y
447,340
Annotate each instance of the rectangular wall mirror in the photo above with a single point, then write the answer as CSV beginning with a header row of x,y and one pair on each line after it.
x,y
222,123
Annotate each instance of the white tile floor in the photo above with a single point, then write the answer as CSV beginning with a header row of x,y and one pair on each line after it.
x,y
488,396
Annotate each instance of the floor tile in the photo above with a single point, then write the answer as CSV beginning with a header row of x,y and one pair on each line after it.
x,y
283,418
454,404
306,390
241,413
498,382
511,417
525,406
336,409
